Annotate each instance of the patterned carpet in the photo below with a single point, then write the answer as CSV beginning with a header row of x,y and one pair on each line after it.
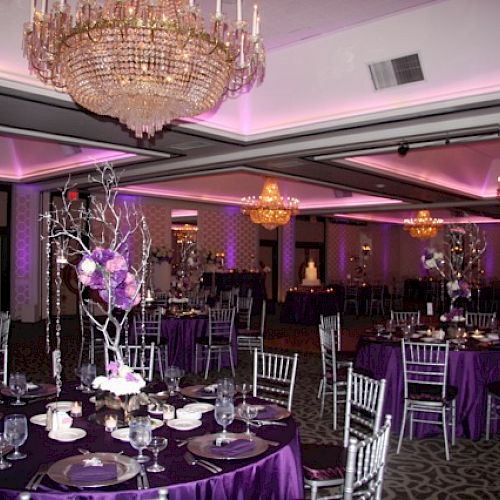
x,y
419,472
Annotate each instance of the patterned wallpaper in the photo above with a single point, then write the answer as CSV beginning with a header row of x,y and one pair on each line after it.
x,y
287,276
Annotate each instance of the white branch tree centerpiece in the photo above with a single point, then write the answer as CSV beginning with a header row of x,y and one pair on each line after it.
x,y
96,239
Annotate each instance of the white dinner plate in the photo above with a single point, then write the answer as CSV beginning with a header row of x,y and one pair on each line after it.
x,y
67,435
39,419
432,340
121,434
180,424
201,407
60,405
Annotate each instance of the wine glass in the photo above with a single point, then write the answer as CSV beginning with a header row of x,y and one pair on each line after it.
x,y
4,443
224,412
89,372
157,444
16,430
244,388
78,373
247,413
140,436
225,388
17,384
178,375
170,377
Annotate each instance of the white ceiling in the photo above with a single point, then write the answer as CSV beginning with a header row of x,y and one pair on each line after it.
x,y
317,100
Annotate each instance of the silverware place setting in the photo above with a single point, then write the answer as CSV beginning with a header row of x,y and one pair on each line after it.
x,y
36,479
211,467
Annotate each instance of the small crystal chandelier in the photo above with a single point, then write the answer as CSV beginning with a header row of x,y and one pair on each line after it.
x,y
270,209
145,62
423,226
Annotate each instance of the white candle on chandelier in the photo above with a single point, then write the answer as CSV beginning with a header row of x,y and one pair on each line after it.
x,y
44,6
242,50
32,10
218,9
254,20
62,5
239,15
191,4
257,32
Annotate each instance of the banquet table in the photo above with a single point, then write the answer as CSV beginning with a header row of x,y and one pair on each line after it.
x,y
470,370
305,307
181,333
277,473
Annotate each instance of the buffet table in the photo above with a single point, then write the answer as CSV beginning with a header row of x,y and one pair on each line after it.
x,y
305,307
470,370
276,473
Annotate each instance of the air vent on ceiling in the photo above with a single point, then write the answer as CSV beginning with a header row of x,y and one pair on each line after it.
x,y
395,72
186,146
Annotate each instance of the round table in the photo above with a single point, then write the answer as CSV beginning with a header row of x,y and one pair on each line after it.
x,y
470,370
277,473
306,307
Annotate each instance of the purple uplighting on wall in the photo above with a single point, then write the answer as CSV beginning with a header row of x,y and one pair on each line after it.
x,y
230,238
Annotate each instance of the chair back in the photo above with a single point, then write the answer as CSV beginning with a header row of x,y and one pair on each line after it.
x,y
378,292
364,406
141,360
351,292
263,313
4,346
244,310
332,323
403,317
220,324
365,464
480,320
225,299
161,298
152,325
328,358
235,293
274,377
425,367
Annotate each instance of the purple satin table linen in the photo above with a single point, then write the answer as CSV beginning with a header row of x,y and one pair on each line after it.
x,y
470,371
276,474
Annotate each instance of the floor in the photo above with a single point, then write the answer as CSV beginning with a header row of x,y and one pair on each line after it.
x,y
419,472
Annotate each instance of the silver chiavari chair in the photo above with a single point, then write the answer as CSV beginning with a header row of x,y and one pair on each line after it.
x,y
366,459
219,339
250,339
325,465
405,317
425,370
492,406
274,377
4,346
225,300
331,384
244,312
480,320
140,359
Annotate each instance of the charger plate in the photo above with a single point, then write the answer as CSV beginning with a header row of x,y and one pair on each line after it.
x,y
281,413
201,446
196,392
39,391
126,468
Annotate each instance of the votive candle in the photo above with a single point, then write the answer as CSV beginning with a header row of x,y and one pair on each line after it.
x,y
76,409
110,423
168,412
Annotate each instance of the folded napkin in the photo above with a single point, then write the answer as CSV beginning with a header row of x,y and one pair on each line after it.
x,y
268,411
31,387
92,474
209,389
234,448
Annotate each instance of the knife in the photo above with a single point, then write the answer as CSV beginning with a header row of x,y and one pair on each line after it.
x,y
35,481
145,479
269,422
189,458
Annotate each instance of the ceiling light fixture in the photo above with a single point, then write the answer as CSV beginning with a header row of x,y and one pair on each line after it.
x,y
270,209
145,62
423,226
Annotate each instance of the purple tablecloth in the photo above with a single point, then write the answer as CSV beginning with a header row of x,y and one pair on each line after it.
x,y
181,334
305,308
470,371
276,474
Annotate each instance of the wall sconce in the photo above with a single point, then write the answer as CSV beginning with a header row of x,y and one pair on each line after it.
x,y
366,249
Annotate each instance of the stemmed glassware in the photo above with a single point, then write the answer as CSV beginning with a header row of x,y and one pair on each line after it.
x,y
244,388
17,384
88,374
247,413
15,429
157,444
225,388
224,412
4,443
180,373
172,377
140,436
78,373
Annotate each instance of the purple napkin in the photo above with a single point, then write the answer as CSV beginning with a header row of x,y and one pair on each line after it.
x,y
270,411
234,448
92,474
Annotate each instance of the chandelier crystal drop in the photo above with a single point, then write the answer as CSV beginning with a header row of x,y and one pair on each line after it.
x,y
145,62
270,209
423,226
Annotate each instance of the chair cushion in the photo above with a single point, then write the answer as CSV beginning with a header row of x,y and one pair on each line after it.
x,y
431,392
322,462
494,388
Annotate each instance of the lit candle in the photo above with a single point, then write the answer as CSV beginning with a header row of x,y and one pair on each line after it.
x,y
168,412
254,21
76,409
242,51
110,423
239,16
32,10
191,4
257,31
218,9
44,6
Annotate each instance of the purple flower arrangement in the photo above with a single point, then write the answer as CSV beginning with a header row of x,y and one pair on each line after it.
x,y
454,314
107,272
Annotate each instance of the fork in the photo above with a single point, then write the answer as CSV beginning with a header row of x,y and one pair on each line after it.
x,y
35,481
190,459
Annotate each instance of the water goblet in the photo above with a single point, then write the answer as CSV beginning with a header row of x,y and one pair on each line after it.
x,y
178,375
157,444
225,388
4,443
140,436
224,413
17,384
244,388
89,373
16,430
170,376
247,413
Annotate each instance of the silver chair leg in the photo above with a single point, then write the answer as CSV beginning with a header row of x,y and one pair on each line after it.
x,y
410,434
323,391
231,361
402,431
314,492
453,422
445,433
334,395
489,402
320,387
209,357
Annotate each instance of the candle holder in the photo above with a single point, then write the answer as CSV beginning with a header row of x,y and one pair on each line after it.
x,y
110,423
168,412
76,409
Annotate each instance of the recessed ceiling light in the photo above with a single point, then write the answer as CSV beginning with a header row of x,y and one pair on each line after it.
x,y
380,186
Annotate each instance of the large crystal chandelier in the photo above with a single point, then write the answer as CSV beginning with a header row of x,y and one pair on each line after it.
x,y
270,209
145,62
423,226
